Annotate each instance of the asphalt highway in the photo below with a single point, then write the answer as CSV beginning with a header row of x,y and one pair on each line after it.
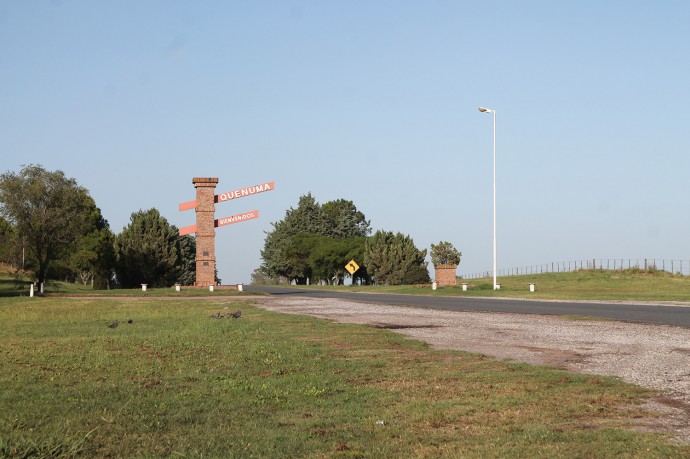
x,y
642,313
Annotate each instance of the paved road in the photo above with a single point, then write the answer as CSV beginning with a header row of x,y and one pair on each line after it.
x,y
643,313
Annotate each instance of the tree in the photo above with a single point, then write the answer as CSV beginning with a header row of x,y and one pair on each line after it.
x,y
289,247
187,261
376,256
393,259
343,220
296,256
48,211
8,243
260,277
307,218
150,251
445,254
94,259
329,256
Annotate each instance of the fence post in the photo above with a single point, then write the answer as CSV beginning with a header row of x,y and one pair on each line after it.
x,y
682,267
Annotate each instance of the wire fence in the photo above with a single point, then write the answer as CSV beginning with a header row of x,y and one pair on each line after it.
x,y
681,267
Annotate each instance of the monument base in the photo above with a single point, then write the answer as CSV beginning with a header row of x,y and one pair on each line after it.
x,y
205,287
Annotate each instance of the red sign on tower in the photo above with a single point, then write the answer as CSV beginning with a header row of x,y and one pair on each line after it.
x,y
243,217
227,196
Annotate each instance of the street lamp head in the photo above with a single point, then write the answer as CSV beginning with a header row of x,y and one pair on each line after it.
x,y
485,110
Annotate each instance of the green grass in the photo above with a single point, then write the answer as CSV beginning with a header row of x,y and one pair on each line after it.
x,y
177,383
10,287
15,283
632,285
626,285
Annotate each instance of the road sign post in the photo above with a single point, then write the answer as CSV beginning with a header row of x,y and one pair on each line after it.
x,y
352,268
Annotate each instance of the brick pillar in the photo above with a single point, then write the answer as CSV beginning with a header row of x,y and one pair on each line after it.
x,y
445,275
205,231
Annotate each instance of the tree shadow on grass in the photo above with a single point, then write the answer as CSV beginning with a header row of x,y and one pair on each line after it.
x,y
14,287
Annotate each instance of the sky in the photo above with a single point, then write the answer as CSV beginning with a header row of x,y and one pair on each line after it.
x,y
369,101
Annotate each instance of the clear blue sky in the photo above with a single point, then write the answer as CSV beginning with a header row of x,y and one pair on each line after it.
x,y
370,101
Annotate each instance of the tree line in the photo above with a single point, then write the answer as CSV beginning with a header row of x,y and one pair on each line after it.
x,y
51,226
314,242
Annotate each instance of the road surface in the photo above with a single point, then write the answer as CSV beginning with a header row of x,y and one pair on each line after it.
x,y
649,313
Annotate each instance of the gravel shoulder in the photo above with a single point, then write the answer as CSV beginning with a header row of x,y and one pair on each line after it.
x,y
652,356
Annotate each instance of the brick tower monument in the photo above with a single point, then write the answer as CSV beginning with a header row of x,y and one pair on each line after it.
x,y
205,231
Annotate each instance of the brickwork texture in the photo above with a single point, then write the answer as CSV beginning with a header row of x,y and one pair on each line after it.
x,y
205,231
446,276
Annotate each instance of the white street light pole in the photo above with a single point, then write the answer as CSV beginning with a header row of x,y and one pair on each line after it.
x,y
488,110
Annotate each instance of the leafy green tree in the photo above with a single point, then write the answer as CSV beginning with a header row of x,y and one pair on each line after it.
x,y
260,277
150,251
48,211
307,218
393,259
289,247
296,254
329,256
9,250
445,254
104,266
93,259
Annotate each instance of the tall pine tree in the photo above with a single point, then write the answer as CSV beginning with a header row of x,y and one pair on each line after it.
x,y
150,251
393,259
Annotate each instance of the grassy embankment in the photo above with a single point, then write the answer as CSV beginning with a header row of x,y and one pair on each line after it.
x,y
177,383
12,284
630,285
626,285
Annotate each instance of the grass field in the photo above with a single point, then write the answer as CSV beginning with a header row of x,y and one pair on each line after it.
x,y
13,286
630,285
633,285
177,383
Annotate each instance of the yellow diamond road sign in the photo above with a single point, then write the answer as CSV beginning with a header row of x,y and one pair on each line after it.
x,y
352,267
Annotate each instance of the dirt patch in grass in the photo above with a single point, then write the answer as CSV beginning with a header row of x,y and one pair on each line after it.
x,y
651,356
402,326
